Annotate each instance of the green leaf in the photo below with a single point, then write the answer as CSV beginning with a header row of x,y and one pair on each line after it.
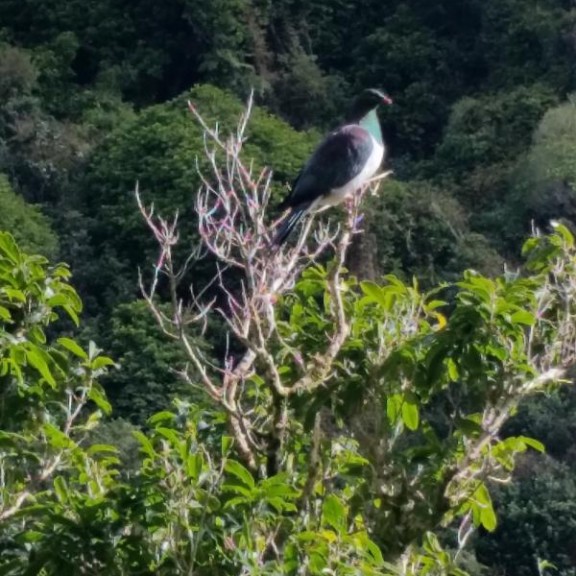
x,y
226,443
385,296
452,370
523,317
481,494
194,466
239,500
14,294
279,490
72,347
393,408
372,290
5,314
31,536
56,437
170,435
102,362
533,443
37,358
97,396
317,562
102,448
145,443
374,551
72,313
483,508
163,416
562,231
307,536
59,300
488,518
334,513
410,415
36,334
433,304
9,247
238,489
281,505
237,470
545,565
61,489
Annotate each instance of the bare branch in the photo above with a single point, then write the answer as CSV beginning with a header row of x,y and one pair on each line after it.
x,y
232,206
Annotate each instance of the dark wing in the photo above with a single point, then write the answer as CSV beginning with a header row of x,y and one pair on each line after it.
x,y
336,161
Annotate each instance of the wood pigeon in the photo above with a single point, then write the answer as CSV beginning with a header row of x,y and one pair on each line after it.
x,y
346,159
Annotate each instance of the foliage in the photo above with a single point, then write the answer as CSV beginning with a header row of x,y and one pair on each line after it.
x,y
534,30
470,80
119,433
41,153
399,366
538,513
147,379
416,230
543,184
338,343
45,386
489,131
361,492
304,95
151,51
550,420
27,223
38,152
18,74
428,55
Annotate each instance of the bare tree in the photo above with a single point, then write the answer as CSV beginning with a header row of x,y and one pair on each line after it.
x,y
233,209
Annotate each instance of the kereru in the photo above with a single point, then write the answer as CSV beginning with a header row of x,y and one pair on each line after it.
x,y
346,159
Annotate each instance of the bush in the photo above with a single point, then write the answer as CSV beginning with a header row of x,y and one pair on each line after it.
x,y
27,223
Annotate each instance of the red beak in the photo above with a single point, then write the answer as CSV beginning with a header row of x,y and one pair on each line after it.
x,y
387,100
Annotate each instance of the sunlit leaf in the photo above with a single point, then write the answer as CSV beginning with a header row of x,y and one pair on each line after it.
x,y
73,347
334,513
38,359
410,414
241,473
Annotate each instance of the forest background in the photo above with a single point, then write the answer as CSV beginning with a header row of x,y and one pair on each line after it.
x,y
482,142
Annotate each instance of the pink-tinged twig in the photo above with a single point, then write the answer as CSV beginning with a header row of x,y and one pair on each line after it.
x,y
233,207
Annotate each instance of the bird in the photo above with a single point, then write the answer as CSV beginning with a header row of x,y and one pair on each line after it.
x,y
341,164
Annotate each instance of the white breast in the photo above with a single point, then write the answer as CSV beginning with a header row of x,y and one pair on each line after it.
x,y
338,195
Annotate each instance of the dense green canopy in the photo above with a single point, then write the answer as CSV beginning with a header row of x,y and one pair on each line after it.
x,y
26,222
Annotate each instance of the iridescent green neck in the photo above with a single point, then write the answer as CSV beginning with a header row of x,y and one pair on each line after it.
x,y
371,123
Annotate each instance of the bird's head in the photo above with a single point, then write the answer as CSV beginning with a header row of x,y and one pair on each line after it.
x,y
365,102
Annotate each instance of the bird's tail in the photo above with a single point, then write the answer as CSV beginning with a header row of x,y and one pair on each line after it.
x,y
288,225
